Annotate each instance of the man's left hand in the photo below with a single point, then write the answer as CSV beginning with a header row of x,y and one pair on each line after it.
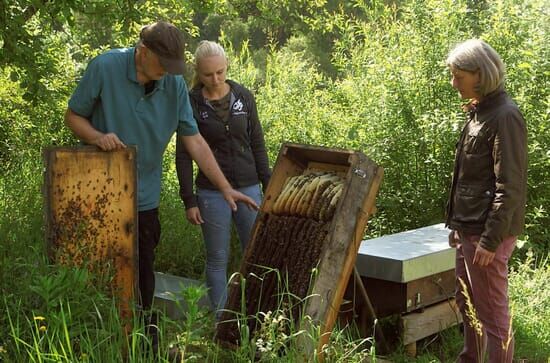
x,y
482,256
233,196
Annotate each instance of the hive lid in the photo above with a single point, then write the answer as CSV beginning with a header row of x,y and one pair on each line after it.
x,y
407,256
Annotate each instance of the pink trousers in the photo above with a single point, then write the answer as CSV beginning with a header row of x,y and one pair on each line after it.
x,y
488,291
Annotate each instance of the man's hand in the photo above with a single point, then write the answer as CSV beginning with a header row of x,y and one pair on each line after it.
x,y
193,215
233,196
482,256
199,151
84,130
108,142
454,239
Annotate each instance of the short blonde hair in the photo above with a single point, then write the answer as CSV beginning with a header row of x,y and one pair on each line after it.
x,y
205,49
474,55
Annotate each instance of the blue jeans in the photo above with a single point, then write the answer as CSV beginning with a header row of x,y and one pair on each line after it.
x,y
216,231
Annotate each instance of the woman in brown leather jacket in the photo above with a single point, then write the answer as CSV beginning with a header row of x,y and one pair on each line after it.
x,y
486,208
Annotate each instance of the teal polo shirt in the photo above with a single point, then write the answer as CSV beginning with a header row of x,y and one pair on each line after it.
x,y
110,96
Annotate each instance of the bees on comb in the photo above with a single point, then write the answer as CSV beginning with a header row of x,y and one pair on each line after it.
x,y
314,195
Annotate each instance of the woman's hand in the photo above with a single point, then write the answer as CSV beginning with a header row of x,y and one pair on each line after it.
x,y
454,240
482,256
194,215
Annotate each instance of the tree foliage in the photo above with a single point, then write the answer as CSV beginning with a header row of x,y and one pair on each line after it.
x,y
366,75
354,74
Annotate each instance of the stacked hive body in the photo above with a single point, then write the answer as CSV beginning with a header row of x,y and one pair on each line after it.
x,y
91,214
305,240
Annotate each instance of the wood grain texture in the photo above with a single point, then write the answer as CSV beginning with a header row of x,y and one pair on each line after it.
x,y
433,319
362,178
91,214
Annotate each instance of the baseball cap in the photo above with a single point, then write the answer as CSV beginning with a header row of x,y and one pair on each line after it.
x,y
166,41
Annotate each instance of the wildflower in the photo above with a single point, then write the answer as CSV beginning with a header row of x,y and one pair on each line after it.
x,y
39,318
2,349
267,316
42,328
280,318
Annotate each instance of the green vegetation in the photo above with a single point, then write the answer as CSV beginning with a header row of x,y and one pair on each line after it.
x,y
363,75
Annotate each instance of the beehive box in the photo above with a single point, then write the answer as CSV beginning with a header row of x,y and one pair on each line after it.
x,y
409,270
411,276
304,242
91,215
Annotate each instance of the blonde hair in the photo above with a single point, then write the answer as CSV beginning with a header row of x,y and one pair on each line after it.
x,y
205,49
474,55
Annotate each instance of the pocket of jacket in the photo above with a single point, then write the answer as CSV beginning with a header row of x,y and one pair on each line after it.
x,y
476,159
472,203
474,144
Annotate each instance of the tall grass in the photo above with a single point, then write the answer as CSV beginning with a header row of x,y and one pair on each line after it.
x,y
530,304
389,98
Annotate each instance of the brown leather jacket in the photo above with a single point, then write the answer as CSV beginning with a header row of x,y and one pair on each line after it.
x,y
489,187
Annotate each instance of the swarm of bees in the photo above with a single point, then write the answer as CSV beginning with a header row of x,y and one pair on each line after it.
x,y
313,195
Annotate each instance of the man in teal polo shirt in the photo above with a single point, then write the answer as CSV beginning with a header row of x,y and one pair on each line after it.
x,y
137,96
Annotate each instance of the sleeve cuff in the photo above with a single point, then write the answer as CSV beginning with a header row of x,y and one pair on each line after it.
x,y
488,245
190,201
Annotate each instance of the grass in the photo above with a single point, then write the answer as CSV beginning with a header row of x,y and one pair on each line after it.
x,y
76,328
530,304
49,313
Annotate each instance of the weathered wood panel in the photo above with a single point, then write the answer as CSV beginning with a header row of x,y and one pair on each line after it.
x,y
341,237
338,259
390,297
91,214
433,319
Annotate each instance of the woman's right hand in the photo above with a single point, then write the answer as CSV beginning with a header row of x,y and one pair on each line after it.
x,y
194,215
454,239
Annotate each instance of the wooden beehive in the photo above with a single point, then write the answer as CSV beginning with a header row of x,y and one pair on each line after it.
x,y
300,257
91,215
411,276
409,270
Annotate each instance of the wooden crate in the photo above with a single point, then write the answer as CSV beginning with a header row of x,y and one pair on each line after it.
x,y
422,323
324,249
407,275
390,297
91,214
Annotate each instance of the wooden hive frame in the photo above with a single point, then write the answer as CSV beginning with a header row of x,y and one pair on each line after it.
x,y
362,178
90,212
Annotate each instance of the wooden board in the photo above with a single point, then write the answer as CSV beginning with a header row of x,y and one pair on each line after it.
x,y
390,297
338,260
91,214
362,178
433,319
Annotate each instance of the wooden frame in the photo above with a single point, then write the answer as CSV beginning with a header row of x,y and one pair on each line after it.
x,y
337,260
390,297
423,323
90,199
